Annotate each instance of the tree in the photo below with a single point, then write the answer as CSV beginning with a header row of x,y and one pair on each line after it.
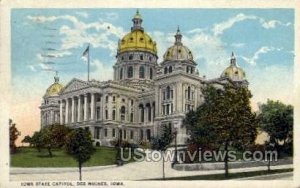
x,y
277,120
13,136
79,145
27,139
161,143
37,140
53,136
225,119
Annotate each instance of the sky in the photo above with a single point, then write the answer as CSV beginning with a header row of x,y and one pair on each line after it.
x,y
261,39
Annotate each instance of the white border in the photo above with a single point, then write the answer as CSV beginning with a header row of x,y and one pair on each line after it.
x,y
5,46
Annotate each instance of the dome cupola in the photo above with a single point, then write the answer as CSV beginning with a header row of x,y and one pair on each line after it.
x,y
178,51
55,88
234,72
137,39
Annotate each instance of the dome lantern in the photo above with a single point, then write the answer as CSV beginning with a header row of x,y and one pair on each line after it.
x,y
137,22
55,88
178,37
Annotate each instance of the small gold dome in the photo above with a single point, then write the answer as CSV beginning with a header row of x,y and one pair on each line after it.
x,y
55,88
137,39
233,71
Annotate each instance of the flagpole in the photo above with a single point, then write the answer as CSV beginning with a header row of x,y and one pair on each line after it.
x,y
88,62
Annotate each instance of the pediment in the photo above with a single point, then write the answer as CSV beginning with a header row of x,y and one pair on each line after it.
x,y
74,85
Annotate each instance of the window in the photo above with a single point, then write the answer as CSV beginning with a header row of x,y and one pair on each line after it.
x,y
130,72
168,109
148,134
151,73
170,69
142,72
130,57
98,113
97,133
166,70
187,69
131,134
164,95
192,70
168,92
123,109
98,99
189,93
121,73
171,94
125,134
141,57
105,132
106,99
106,114
142,114
114,114
123,100
149,113
141,134
131,102
114,98
113,132
131,117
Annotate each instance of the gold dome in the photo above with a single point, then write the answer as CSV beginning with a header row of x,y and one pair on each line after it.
x,y
233,71
137,39
55,88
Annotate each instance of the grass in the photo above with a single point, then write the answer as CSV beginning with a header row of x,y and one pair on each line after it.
x,y
30,157
231,175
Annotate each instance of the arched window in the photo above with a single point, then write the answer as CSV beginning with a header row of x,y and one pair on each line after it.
x,y
142,72
189,92
151,73
168,92
170,69
130,72
121,73
166,70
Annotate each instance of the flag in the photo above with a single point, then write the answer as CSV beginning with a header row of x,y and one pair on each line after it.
x,y
86,51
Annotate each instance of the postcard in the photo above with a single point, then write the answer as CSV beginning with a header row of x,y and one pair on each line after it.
x,y
149,94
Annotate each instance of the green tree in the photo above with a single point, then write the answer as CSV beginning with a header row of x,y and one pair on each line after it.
x,y
53,136
13,136
225,119
37,140
27,139
277,120
161,143
79,145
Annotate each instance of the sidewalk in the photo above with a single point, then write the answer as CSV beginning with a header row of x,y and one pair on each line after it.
x,y
132,171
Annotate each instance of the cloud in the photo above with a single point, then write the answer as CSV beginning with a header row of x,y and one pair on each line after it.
x,y
82,14
263,50
238,45
219,28
101,71
79,33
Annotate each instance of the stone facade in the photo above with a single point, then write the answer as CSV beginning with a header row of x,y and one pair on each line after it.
x,y
142,97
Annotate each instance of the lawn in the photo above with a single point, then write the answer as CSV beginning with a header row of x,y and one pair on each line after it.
x,y
30,157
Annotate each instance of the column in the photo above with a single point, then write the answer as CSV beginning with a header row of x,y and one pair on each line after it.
x,y
179,98
73,110
92,106
85,108
61,112
67,112
79,109
51,117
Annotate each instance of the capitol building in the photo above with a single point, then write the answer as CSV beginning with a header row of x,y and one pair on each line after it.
x,y
144,95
